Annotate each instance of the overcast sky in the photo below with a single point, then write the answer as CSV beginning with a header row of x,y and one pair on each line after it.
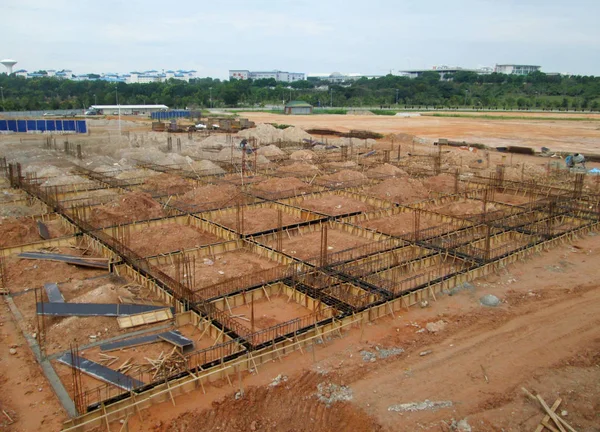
x,y
366,36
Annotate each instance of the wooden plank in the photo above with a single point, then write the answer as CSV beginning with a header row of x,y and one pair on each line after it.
x,y
144,318
546,418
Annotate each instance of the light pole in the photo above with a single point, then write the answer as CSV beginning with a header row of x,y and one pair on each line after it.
x,y
95,99
2,91
331,97
397,91
466,94
210,91
119,108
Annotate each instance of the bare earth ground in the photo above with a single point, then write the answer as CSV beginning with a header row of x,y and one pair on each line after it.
x,y
565,135
544,336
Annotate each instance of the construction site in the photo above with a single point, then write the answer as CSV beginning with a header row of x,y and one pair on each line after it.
x,y
317,277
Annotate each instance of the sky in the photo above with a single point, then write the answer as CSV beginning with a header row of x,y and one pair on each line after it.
x,y
312,36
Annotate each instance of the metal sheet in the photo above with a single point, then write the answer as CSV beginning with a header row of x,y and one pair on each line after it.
x,y
178,340
54,294
142,340
43,230
100,372
69,259
93,309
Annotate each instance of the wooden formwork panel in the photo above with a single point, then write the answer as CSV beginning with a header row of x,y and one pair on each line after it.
x,y
60,223
214,249
82,198
301,201
435,224
410,275
384,260
281,310
368,242
70,191
500,245
190,220
62,241
225,217
149,283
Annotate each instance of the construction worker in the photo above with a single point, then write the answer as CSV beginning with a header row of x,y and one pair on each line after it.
x,y
575,159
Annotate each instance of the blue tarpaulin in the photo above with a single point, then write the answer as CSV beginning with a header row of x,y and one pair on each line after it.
x,y
50,125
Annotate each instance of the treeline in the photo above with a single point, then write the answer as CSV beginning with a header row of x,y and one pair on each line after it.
x,y
464,89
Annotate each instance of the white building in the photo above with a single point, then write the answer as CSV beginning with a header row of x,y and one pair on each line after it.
x,y
338,77
515,69
280,76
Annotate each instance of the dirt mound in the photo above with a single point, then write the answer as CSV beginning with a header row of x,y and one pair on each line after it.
x,y
207,197
18,231
303,155
286,407
270,150
346,164
386,170
276,186
206,167
442,183
344,176
131,207
168,184
295,134
399,190
298,168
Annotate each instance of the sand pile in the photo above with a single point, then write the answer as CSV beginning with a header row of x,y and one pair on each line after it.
x,y
205,167
303,155
227,153
399,190
267,134
131,207
135,174
386,170
285,184
215,141
168,184
295,134
264,133
302,168
347,164
270,150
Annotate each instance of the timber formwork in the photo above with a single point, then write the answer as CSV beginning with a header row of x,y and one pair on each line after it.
x,y
331,292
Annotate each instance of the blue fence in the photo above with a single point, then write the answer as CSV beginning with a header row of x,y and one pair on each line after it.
x,y
166,115
51,126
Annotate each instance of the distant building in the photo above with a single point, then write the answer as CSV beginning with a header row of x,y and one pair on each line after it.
x,y
338,77
515,69
298,108
444,70
128,109
277,75
130,78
